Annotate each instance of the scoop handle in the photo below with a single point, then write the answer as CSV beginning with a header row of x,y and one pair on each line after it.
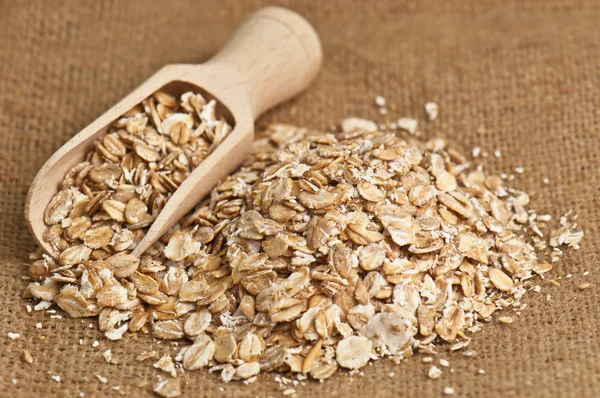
x,y
277,53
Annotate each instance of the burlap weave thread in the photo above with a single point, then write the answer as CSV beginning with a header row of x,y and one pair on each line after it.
x,y
529,72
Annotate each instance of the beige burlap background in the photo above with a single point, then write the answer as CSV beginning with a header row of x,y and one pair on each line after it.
x,y
528,73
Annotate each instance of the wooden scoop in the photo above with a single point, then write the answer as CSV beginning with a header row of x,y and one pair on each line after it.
x,y
272,56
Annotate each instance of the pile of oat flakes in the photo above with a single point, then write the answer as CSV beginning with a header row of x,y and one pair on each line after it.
x,y
325,251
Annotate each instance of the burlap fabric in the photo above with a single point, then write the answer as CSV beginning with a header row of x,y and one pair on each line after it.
x,y
528,73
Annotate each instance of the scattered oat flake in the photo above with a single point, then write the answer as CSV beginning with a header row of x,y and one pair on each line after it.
x,y
107,355
408,124
42,305
95,343
289,391
27,356
584,286
354,124
444,362
432,109
56,378
434,372
448,390
14,336
481,371
38,325
459,345
168,388
102,379
146,355
505,319
380,101
165,363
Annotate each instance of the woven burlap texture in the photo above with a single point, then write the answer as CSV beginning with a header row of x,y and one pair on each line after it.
x,y
529,73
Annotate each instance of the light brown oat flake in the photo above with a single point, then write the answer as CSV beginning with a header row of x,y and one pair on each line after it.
x,y
448,391
102,379
27,356
585,286
434,372
199,354
354,352
165,363
500,280
146,355
247,370
432,109
408,124
168,388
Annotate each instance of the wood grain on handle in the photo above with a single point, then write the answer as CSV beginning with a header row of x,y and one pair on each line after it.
x,y
277,53
271,57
